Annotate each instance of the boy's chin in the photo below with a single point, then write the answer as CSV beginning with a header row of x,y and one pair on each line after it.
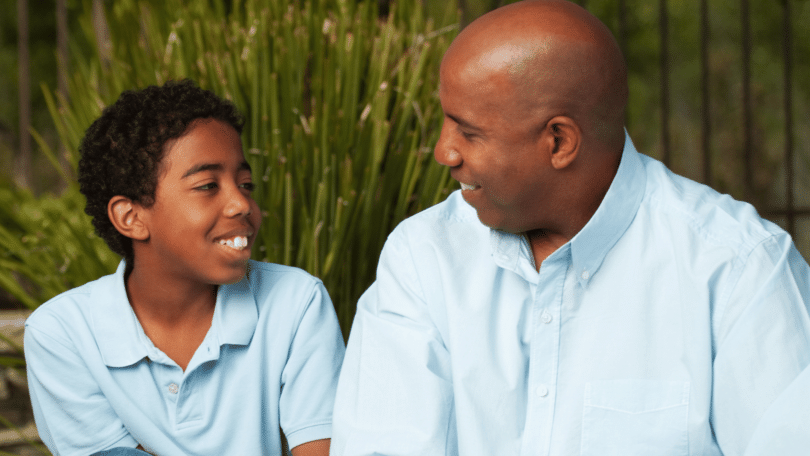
x,y
234,275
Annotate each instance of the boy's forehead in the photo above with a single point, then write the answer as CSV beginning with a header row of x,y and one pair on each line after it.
x,y
194,150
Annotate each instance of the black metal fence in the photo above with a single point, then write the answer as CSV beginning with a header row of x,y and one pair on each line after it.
x,y
763,111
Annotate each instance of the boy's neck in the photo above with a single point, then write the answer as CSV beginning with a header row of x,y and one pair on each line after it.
x,y
175,314
166,299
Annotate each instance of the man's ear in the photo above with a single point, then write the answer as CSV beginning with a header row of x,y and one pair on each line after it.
x,y
127,218
563,136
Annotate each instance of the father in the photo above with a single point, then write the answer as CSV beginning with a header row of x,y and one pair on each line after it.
x,y
575,297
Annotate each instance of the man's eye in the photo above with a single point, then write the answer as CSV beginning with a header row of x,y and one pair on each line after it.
x,y
208,186
249,186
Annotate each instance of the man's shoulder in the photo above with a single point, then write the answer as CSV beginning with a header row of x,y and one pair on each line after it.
x,y
448,233
452,211
715,216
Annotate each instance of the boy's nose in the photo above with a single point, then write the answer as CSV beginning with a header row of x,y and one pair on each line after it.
x,y
238,203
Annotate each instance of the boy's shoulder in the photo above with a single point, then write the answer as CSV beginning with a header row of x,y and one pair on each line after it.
x,y
279,273
70,311
271,279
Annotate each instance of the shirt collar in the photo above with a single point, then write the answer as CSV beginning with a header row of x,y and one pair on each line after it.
x,y
236,312
121,339
610,221
588,247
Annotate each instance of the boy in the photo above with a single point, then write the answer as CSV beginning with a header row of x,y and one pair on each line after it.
x,y
190,348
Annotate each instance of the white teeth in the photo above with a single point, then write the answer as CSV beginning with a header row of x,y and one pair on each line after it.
x,y
238,242
467,186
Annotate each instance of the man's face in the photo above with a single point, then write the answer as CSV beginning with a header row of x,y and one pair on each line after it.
x,y
204,219
490,142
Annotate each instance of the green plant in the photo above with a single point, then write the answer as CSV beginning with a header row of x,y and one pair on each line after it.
x,y
341,112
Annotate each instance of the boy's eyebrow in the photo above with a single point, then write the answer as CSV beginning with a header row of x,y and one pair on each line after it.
x,y
212,167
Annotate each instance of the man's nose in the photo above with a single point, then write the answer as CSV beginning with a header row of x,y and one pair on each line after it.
x,y
445,151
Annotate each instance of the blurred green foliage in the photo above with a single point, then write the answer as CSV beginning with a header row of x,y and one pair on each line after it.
x,y
341,117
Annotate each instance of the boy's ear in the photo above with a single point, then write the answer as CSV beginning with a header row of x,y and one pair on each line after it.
x,y
125,215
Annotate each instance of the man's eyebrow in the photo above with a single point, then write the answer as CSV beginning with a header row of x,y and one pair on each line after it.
x,y
212,167
463,123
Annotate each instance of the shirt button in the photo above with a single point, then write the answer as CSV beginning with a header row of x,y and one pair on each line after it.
x,y
173,388
546,317
541,391
585,275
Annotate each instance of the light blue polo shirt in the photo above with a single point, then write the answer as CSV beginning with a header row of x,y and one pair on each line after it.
x,y
270,359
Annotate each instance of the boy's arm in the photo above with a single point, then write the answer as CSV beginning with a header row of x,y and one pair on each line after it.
x,y
310,376
313,448
72,414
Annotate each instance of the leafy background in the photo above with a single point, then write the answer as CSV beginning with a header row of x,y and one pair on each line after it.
x,y
342,109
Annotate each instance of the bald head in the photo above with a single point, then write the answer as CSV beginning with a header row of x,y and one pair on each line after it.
x,y
558,60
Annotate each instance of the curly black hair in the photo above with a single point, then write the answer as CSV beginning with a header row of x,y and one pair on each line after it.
x,y
122,149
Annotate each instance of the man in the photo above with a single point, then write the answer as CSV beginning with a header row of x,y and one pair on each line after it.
x,y
575,297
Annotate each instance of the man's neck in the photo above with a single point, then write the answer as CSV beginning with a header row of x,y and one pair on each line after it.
x,y
543,244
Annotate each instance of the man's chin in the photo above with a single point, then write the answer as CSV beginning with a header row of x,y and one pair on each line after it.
x,y
497,224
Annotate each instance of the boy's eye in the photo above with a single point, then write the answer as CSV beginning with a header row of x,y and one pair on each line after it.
x,y
249,186
208,186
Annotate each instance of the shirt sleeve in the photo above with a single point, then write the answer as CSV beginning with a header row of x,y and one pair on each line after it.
x,y
761,364
395,391
71,413
310,376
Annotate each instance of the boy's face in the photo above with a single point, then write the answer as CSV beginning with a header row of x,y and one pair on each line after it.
x,y
204,220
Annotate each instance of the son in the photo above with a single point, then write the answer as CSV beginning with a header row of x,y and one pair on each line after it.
x,y
190,348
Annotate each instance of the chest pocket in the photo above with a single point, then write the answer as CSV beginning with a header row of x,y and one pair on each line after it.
x,y
635,417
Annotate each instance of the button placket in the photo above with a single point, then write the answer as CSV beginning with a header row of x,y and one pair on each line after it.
x,y
544,355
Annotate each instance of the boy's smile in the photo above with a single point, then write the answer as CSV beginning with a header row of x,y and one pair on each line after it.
x,y
204,220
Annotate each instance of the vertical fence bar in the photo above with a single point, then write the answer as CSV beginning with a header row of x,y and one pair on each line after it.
x,y
787,49
22,168
704,92
746,99
62,47
622,38
622,32
62,68
664,28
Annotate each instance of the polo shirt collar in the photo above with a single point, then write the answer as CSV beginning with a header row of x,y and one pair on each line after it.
x,y
589,247
236,313
121,339
614,215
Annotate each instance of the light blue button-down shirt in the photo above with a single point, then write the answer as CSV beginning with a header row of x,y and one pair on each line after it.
x,y
271,358
674,323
